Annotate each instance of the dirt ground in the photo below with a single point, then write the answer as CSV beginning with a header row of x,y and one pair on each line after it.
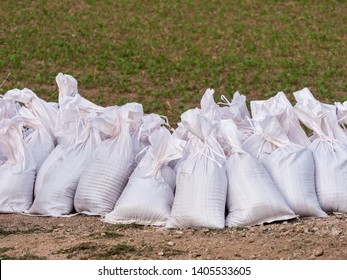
x,y
86,237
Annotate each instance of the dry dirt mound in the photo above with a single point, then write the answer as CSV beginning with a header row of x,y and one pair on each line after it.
x,y
84,237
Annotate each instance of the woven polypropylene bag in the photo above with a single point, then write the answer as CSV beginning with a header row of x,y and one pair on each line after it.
x,y
149,194
293,170
107,172
252,195
58,177
290,166
201,182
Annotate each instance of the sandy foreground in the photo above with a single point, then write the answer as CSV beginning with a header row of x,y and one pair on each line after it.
x,y
86,237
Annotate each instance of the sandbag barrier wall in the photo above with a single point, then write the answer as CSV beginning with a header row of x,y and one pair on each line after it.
x,y
218,168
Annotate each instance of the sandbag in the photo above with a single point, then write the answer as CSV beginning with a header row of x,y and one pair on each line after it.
x,y
252,197
147,198
107,172
329,149
291,166
201,182
17,168
58,177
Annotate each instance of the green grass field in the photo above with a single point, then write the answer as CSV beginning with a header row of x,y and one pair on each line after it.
x,y
164,54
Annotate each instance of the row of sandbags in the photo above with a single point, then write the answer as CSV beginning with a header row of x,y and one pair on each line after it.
x,y
219,167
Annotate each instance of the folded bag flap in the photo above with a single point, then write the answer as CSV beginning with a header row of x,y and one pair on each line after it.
x,y
269,129
231,136
319,117
209,107
165,147
280,107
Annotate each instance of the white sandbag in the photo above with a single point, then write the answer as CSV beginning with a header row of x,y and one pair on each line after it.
x,y
39,141
201,182
280,107
58,177
107,172
291,166
147,198
252,197
17,169
329,150
293,171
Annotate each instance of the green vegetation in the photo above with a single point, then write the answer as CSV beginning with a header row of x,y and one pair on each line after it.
x,y
90,250
25,256
36,229
164,54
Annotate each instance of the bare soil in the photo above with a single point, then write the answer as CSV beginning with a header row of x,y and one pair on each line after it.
x,y
86,237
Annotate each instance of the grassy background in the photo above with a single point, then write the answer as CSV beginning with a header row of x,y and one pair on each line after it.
x,y
164,54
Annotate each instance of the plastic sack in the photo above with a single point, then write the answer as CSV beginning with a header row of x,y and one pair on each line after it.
x,y
17,168
58,177
253,197
329,151
107,172
291,166
201,182
147,198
